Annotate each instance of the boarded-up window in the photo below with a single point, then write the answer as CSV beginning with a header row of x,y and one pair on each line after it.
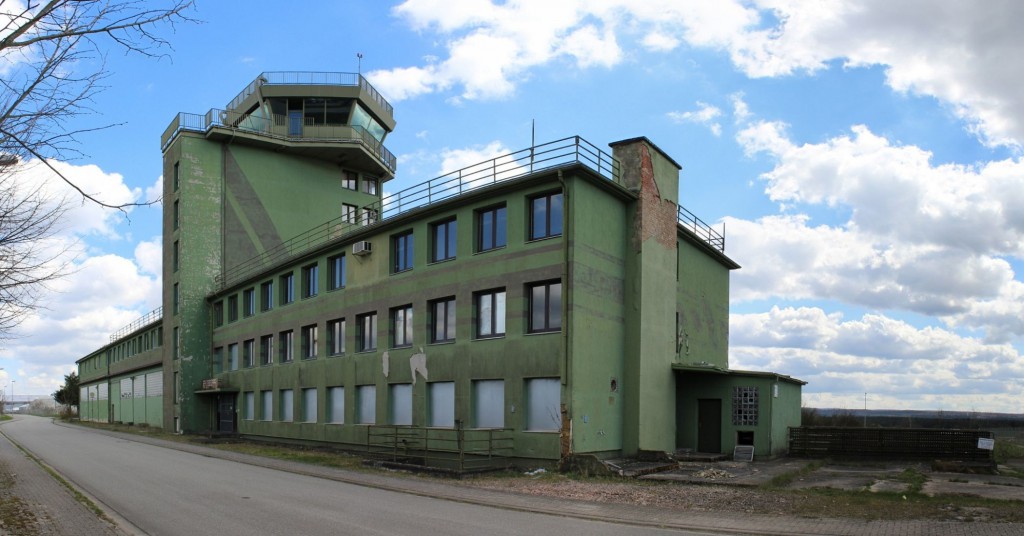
x,y
126,387
155,383
102,390
488,404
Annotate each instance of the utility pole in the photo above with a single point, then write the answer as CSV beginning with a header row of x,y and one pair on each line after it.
x,y
865,410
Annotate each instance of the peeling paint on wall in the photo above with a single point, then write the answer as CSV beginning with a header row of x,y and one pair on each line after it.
x,y
385,364
418,363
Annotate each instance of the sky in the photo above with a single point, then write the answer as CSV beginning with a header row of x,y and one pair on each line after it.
x,y
863,157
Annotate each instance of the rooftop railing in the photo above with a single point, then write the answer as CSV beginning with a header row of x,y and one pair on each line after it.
x,y
277,127
148,318
567,151
298,78
703,231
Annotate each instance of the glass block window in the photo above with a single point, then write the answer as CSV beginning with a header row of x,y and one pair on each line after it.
x,y
744,406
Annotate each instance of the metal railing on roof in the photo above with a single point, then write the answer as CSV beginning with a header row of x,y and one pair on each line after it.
x,y
546,156
277,127
703,231
148,318
299,78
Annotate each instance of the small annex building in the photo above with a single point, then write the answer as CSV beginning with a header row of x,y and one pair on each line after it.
x,y
520,308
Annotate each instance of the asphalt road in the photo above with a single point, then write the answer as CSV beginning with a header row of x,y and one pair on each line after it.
x,y
163,491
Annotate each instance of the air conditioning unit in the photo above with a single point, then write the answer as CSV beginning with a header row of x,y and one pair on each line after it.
x,y
362,248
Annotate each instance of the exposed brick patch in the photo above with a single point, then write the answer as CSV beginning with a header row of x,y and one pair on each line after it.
x,y
657,215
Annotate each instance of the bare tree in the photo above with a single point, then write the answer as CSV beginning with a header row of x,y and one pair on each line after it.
x,y
29,218
46,48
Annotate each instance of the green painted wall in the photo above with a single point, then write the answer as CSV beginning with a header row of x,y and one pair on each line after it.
x,y
597,340
703,307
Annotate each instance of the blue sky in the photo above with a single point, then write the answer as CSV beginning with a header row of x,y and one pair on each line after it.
x,y
864,158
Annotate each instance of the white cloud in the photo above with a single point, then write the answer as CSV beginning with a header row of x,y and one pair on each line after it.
x,y
962,54
705,114
155,192
898,364
917,236
149,256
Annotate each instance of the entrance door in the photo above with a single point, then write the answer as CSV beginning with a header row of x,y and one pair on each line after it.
x,y
709,425
226,413
295,122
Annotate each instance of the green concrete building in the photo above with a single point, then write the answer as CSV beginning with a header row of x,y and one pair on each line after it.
x,y
518,309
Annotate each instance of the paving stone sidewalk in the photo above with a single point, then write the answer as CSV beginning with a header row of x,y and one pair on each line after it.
x,y
35,503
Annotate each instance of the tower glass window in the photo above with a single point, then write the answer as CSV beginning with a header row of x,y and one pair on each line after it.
x,y
287,288
284,346
267,296
546,216
310,280
249,302
348,180
336,336
266,350
309,342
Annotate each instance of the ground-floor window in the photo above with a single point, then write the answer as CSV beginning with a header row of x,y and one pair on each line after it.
x,y
309,405
488,404
248,405
336,405
441,399
367,404
744,406
542,404
287,404
266,405
400,404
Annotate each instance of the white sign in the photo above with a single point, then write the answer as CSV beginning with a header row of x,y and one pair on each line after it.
x,y
986,443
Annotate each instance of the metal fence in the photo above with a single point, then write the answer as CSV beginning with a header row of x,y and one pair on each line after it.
x,y
455,449
889,443
148,318
703,231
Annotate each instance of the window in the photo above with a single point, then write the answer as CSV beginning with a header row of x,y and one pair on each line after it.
x,y
443,238
249,405
491,232
267,296
744,406
401,326
287,288
176,181
348,213
369,216
218,313
442,404
348,180
366,336
287,405
267,350
248,353
367,404
284,343
176,298
175,214
309,405
249,302
336,336
309,342
442,322
542,405
336,405
218,359
233,356
546,307
400,406
266,405
488,404
401,252
310,280
176,348
174,257
336,272
370,185
546,216
490,314
232,308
